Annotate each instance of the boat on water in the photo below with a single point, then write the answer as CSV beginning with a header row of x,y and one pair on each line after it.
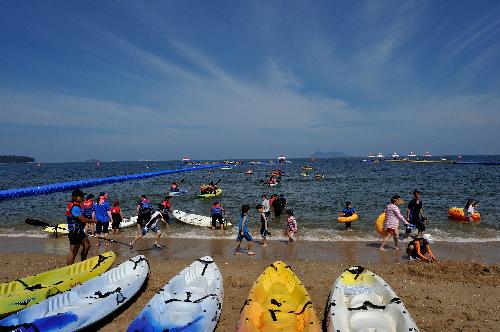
x,y
412,154
380,155
282,159
395,156
427,154
249,172
371,155
185,159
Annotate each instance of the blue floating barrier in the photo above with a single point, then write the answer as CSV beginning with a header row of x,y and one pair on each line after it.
x,y
65,186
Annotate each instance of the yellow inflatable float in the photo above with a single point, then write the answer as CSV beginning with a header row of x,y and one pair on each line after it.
x,y
379,225
25,292
354,217
278,302
458,214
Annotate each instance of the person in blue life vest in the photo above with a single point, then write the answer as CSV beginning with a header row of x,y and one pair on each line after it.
x,y
216,213
144,211
348,211
76,227
102,211
243,231
88,212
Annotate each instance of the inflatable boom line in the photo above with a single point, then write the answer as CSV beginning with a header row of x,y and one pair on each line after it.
x,y
64,186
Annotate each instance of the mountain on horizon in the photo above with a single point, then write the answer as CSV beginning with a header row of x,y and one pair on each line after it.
x,y
329,154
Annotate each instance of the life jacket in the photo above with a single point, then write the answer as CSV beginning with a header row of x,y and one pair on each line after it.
x,y
166,205
73,223
423,245
115,210
145,207
217,209
87,208
173,187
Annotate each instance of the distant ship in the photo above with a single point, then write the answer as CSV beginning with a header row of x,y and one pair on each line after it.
x,y
412,154
427,154
185,159
380,155
395,155
371,155
282,159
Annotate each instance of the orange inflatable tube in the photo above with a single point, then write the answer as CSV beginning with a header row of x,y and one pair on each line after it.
x,y
354,217
458,214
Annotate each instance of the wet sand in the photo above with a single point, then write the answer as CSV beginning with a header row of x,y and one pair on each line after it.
x,y
460,293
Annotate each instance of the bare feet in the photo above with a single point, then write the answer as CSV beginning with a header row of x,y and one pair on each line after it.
x,y
397,248
251,253
237,252
264,244
382,249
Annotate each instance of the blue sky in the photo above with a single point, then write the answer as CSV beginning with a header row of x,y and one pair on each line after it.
x,y
126,80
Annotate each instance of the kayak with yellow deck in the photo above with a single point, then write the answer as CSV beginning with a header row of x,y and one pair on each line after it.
x,y
278,301
218,192
61,229
22,293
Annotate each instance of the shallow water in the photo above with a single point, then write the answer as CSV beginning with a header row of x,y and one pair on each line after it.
x,y
315,202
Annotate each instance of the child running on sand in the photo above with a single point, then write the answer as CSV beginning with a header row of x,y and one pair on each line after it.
x,y
117,217
391,223
264,232
243,232
291,226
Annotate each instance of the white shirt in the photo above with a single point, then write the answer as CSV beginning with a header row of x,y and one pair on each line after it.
x,y
265,204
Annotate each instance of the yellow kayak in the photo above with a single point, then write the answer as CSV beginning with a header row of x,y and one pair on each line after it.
x,y
61,229
278,302
218,192
22,293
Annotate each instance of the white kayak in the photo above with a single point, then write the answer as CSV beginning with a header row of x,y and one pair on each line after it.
x,y
361,301
128,222
192,301
178,193
84,304
195,219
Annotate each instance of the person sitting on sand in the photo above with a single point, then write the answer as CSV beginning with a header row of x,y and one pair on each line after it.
x,y
243,232
348,211
291,226
419,247
151,225
391,223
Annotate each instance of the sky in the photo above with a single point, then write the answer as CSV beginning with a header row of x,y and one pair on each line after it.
x,y
125,80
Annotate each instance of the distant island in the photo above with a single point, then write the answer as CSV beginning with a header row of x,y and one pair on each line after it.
x,y
11,159
329,154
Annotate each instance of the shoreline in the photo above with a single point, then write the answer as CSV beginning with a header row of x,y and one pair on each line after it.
x,y
351,252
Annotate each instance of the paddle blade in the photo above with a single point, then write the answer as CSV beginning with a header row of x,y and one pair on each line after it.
x,y
36,222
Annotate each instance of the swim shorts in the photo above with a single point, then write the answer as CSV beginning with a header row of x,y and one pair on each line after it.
x,y
391,231
102,227
215,217
154,229
245,236
115,225
76,238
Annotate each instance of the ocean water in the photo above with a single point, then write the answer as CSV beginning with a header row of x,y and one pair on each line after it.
x,y
315,203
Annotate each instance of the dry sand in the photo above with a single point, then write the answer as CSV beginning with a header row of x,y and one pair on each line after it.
x,y
446,296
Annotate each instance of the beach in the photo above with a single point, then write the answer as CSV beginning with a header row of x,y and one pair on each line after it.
x,y
459,293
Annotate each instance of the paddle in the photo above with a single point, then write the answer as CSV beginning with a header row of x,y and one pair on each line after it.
x,y
40,223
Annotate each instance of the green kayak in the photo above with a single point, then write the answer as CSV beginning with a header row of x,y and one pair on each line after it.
x,y
218,192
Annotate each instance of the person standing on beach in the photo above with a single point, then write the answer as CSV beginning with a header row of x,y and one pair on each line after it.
x,y
264,232
144,210
102,210
166,207
88,212
391,223
271,201
117,217
290,227
415,215
243,232
216,214
76,227
266,206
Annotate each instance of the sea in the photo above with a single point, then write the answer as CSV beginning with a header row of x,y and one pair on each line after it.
x,y
315,203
